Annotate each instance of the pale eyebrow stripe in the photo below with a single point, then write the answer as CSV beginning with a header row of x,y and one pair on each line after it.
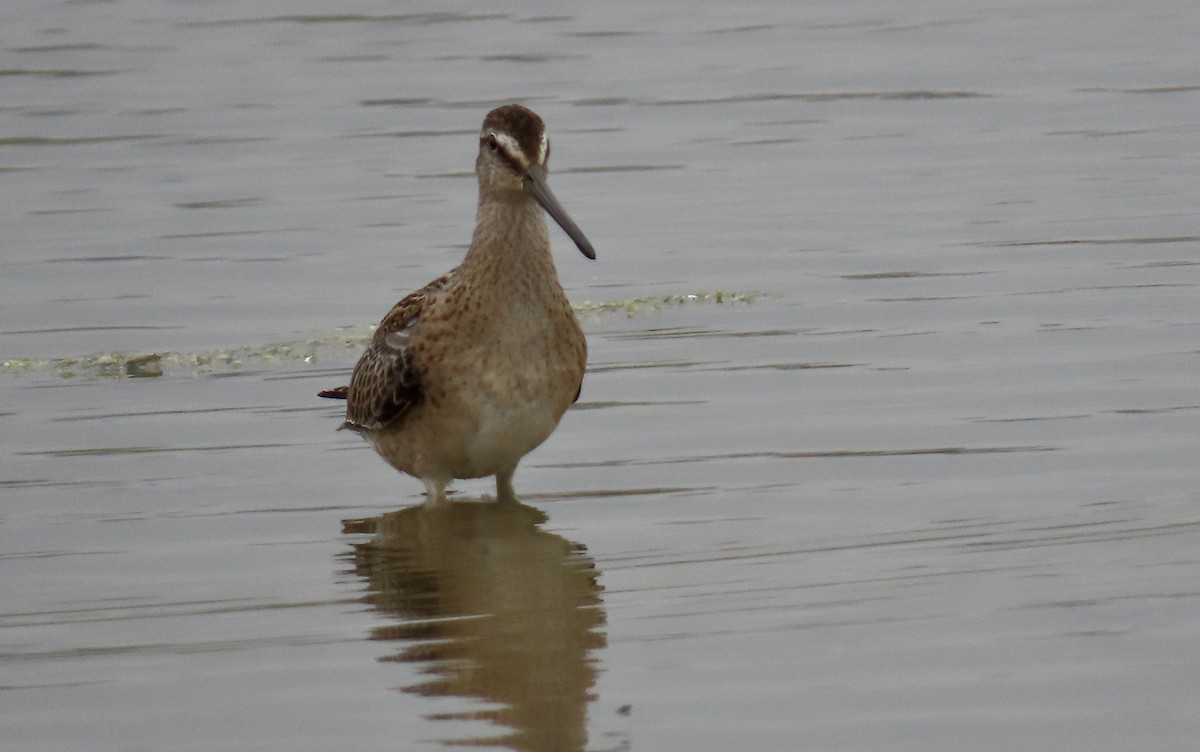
x,y
510,150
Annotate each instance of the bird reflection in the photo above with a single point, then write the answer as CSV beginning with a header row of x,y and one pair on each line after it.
x,y
493,608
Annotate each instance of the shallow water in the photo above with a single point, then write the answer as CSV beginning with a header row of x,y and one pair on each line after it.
x,y
922,476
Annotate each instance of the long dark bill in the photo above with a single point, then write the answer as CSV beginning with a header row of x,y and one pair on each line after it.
x,y
535,181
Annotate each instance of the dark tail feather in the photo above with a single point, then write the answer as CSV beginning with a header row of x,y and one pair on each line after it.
x,y
339,393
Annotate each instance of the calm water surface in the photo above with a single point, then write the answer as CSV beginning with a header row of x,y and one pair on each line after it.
x,y
922,477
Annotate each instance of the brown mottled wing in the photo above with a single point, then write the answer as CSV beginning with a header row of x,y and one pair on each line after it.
x,y
386,384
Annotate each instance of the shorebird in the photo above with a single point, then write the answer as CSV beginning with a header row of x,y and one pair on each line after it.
x,y
467,375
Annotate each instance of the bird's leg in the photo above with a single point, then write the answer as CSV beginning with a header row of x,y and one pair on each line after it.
x,y
504,487
435,492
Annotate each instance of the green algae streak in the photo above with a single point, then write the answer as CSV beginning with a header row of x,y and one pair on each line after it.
x,y
343,343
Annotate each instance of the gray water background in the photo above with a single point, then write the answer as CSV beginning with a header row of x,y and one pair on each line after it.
x,y
923,476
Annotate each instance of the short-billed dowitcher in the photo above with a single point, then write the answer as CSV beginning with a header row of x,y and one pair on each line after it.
x,y
467,375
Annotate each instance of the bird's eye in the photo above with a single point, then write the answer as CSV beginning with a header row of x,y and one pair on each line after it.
x,y
491,142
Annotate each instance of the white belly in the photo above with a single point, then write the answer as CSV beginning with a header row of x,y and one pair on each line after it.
x,y
465,441
505,435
